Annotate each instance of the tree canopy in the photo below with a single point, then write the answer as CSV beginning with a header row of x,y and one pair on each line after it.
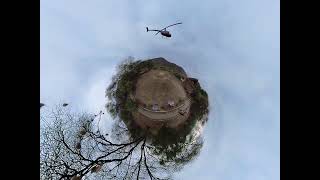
x,y
73,146
76,146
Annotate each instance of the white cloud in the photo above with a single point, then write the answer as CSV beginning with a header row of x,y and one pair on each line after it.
x,y
231,46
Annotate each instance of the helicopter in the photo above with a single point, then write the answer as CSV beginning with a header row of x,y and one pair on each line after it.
x,y
163,31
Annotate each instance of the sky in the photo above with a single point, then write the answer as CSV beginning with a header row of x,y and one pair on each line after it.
x,y
232,47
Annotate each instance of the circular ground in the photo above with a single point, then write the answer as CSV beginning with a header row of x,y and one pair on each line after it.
x,y
160,89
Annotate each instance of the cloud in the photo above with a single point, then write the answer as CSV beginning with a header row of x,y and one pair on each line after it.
x,y
231,46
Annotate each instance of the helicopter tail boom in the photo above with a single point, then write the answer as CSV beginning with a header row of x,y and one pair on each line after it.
x,y
152,30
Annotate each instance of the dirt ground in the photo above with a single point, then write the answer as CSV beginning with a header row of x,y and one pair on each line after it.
x,y
159,87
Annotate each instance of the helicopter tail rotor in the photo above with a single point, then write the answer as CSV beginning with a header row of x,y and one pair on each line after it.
x,y
147,29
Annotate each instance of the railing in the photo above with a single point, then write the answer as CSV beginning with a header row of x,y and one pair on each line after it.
x,y
164,114
149,110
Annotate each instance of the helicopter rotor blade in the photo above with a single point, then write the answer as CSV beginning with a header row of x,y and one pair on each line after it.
x,y
171,25
157,32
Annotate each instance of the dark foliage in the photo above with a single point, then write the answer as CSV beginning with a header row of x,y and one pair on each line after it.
x,y
169,143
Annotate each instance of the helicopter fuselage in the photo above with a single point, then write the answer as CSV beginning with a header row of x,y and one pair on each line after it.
x,y
165,33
